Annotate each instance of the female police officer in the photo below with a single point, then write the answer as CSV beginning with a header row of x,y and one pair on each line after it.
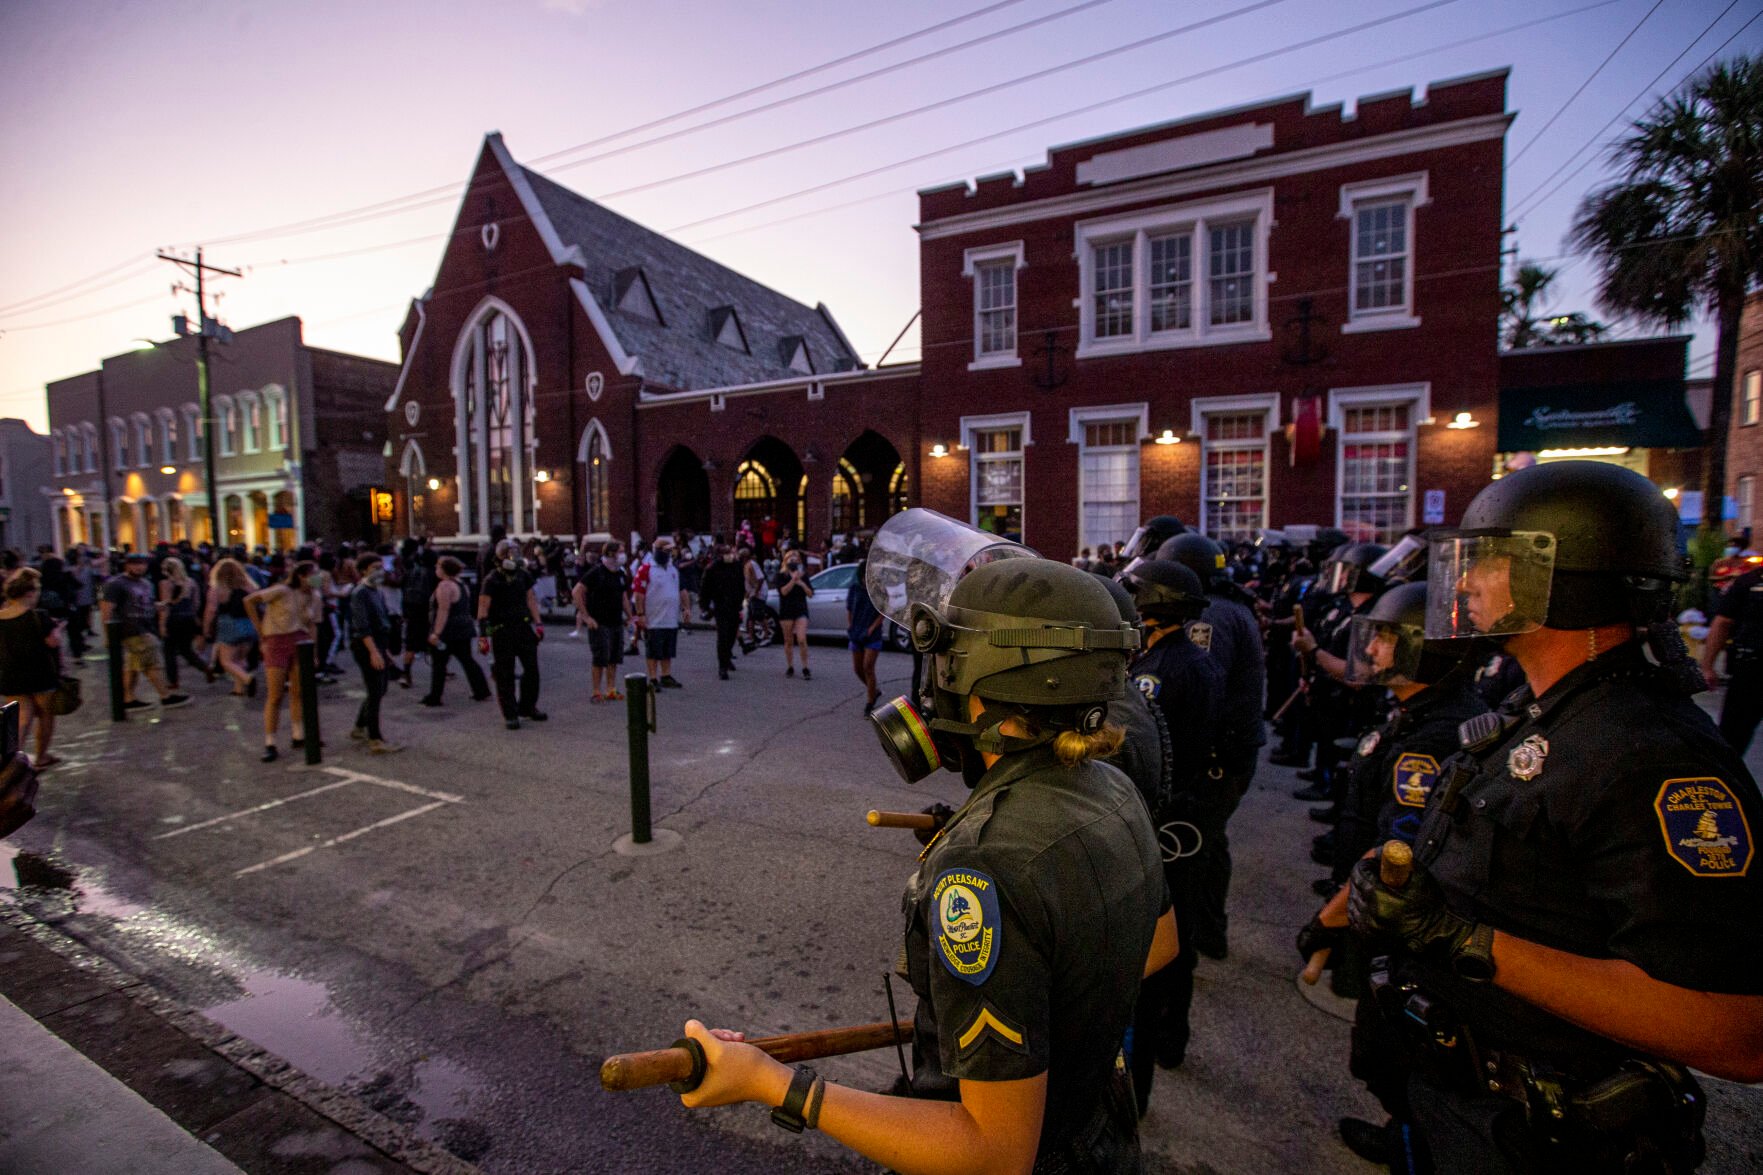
x,y
1581,922
1034,914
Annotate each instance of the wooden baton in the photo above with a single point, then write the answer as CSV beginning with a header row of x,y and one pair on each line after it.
x,y
879,819
1394,866
661,1066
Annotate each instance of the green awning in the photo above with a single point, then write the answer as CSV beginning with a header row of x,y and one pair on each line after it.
x,y
1639,414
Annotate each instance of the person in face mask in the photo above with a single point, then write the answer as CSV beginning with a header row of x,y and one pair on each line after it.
x,y
661,605
371,629
602,602
510,629
793,594
722,592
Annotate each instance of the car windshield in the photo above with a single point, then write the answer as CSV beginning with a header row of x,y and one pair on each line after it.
x,y
835,577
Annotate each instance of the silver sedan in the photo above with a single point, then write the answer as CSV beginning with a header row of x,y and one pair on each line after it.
x,y
826,607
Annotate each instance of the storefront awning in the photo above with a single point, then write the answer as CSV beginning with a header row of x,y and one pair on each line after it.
x,y
1639,414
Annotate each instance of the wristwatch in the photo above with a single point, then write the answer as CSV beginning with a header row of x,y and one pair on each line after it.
x,y
789,1115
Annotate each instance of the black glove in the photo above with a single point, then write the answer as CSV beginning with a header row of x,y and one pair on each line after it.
x,y
1317,937
942,812
1416,916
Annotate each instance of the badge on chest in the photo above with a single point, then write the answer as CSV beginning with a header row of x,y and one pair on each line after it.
x,y
1525,761
1369,743
968,931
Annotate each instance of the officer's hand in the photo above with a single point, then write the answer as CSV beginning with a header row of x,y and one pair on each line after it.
x,y
1415,915
1317,937
483,645
942,812
1303,642
538,632
733,1070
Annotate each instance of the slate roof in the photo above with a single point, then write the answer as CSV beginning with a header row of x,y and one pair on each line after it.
x,y
681,351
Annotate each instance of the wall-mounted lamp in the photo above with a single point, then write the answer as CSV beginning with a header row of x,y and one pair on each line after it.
x,y
168,470
1168,437
939,450
1671,494
1463,420
434,483
542,475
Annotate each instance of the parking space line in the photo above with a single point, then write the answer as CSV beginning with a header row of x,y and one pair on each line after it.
x,y
253,810
396,785
337,840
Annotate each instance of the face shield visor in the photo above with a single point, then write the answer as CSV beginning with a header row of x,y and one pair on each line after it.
x,y
1403,563
1337,577
1487,583
918,557
1380,652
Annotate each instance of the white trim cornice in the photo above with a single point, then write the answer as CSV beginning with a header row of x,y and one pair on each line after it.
x,y
648,399
1250,171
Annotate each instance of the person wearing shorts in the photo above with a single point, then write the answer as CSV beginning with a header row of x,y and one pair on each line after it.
x,y
128,599
793,592
863,628
284,614
601,596
662,605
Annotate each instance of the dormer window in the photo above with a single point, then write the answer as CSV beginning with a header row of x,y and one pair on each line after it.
x,y
631,294
793,351
725,328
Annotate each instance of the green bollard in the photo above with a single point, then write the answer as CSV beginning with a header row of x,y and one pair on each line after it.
x,y
306,657
639,710
113,642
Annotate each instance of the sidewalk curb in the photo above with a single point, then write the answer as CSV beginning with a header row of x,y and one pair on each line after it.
x,y
390,1138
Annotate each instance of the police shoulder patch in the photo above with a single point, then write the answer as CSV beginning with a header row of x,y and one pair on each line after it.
x,y
1200,635
969,929
1149,684
989,1023
1704,826
1413,777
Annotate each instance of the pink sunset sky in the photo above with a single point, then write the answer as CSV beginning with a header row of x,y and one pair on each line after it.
x,y
132,126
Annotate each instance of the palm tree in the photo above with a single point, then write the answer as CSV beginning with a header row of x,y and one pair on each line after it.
x,y
1521,301
1682,231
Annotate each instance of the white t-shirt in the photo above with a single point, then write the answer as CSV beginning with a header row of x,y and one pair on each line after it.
x,y
661,602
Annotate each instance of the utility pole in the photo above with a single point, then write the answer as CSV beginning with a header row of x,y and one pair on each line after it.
x,y
205,327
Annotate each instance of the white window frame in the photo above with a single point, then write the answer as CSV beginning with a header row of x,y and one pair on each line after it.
x,y
250,422
1751,398
1080,418
971,261
973,424
142,427
192,432
89,444
1418,397
168,436
58,452
275,419
226,423
1198,218
1413,188
119,443
1204,406
1744,493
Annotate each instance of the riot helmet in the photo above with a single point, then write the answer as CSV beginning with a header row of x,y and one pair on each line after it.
x,y
1405,562
1146,539
1387,645
1167,593
1027,636
1568,544
1197,553
1349,569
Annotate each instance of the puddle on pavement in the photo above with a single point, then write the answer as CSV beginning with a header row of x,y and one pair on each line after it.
x,y
297,1020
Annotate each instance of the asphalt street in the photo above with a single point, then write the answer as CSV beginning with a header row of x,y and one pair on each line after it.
x,y
451,934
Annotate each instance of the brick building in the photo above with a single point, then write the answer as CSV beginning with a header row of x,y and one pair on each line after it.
x,y
24,481
1744,447
1257,317
299,444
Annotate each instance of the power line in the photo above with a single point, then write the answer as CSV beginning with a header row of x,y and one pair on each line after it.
x,y
1657,4
997,167
443,192
1520,206
43,301
1040,122
82,318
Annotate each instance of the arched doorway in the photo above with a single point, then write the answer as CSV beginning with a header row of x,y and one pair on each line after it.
x,y
770,486
682,493
870,484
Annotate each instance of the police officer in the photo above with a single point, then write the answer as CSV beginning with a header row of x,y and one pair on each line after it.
x,y
1025,955
1391,774
510,625
1738,628
1227,630
1580,925
1187,684
1339,711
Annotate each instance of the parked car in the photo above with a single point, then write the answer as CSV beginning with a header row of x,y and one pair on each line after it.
x,y
826,609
